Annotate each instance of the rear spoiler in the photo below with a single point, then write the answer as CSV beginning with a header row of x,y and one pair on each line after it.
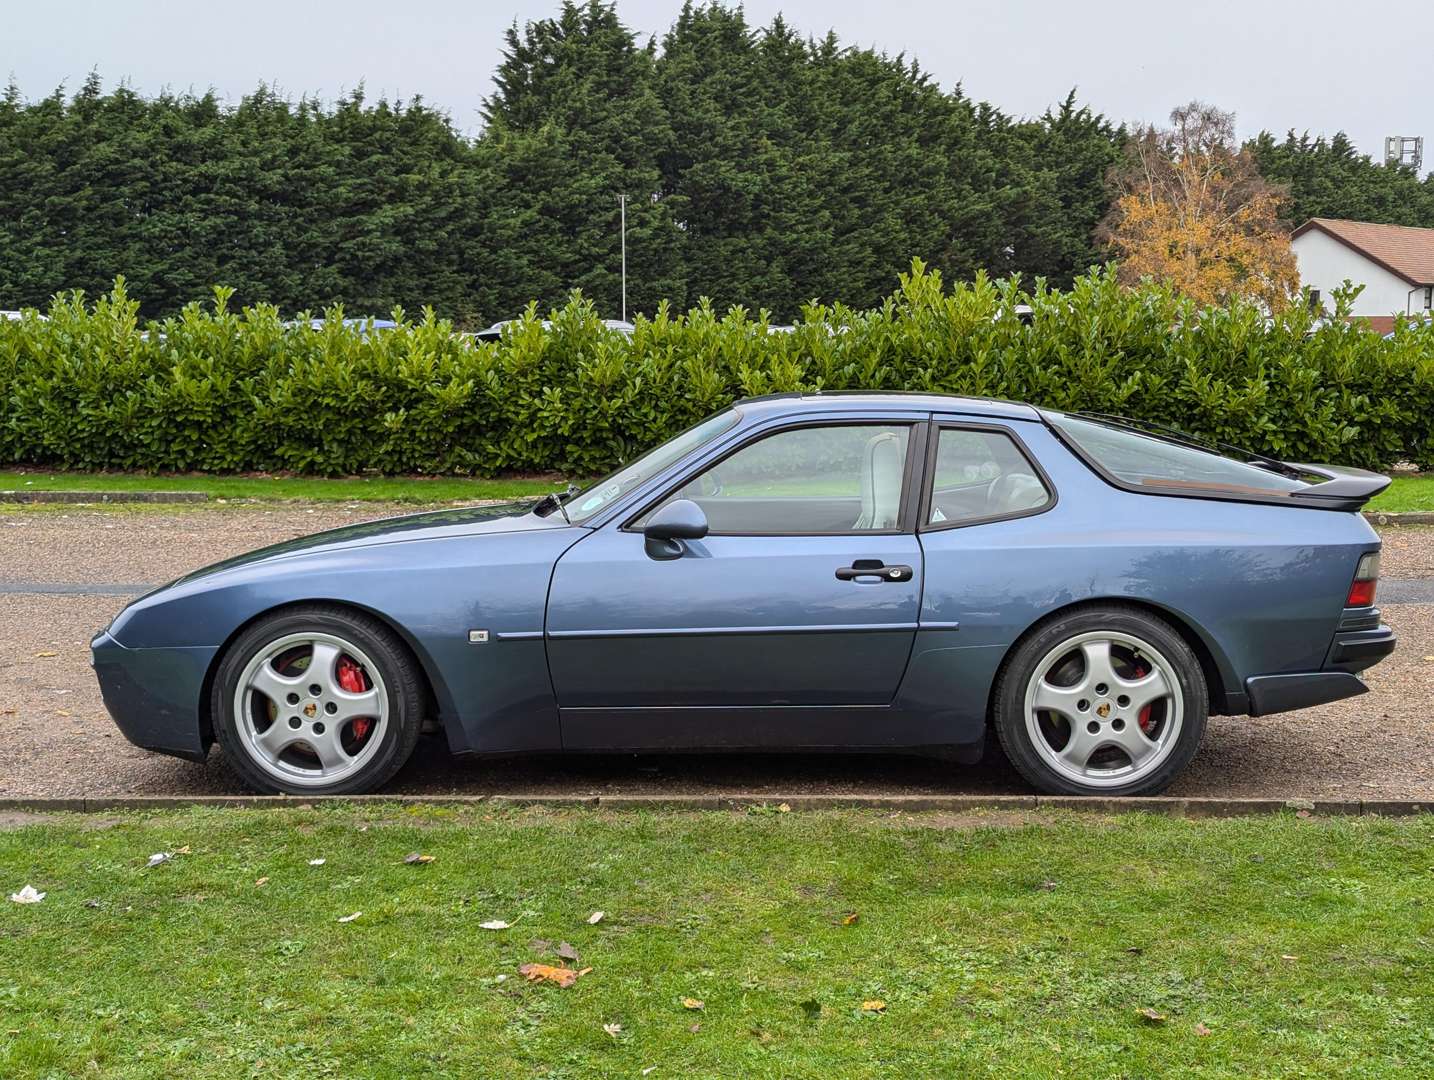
x,y
1343,488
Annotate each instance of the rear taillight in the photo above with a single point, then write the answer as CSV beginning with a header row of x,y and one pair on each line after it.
x,y
1366,577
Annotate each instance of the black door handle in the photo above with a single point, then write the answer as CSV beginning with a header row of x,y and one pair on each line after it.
x,y
873,568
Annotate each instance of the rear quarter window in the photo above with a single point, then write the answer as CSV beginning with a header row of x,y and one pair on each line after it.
x,y
1139,460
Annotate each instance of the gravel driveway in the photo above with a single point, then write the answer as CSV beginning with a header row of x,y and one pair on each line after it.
x,y
57,741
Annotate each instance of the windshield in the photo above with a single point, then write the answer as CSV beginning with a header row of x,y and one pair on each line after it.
x,y
590,500
1145,459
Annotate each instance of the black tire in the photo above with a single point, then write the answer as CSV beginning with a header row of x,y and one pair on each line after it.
x,y
1009,697
406,695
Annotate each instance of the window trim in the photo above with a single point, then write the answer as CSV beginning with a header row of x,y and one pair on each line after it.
x,y
917,427
928,486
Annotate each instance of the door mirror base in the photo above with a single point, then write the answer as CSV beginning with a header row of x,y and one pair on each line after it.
x,y
679,520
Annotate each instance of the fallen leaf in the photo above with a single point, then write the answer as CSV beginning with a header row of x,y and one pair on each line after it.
x,y
1287,956
1152,1016
564,977
261,882
784,808
46,655
182,850
415,857
63,712
875,1006
317,862
157,858
350,918
649,1069
850,918
613,1029
567,952
27,895
583,972
692,1003
494,924
1302,813
596,917
695,1028
1201,1029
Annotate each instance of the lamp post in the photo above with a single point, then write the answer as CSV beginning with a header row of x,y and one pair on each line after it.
x,y
622,204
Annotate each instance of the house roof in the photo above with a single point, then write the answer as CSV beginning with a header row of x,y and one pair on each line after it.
x,y
1403,250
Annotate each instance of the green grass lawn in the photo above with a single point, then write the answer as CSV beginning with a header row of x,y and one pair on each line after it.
x,y
1264,946
1406,493
398,489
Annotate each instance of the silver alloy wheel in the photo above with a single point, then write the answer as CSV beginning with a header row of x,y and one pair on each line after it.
x,y
310,738
1097,708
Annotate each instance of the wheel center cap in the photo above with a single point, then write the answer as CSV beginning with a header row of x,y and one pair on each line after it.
x,y
311,710
1102,710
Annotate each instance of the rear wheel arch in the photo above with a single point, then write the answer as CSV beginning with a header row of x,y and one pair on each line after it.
x,y
1215,682
436,691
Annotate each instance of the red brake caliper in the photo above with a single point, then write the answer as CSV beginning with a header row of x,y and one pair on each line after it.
x,y
1146,724
353,680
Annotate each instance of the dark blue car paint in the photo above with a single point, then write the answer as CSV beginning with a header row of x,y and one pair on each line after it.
x,y
752,640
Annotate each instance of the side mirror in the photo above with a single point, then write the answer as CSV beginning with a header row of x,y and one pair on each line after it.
x,y
679,520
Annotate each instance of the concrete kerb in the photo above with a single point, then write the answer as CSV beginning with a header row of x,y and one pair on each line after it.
x,y
1203,807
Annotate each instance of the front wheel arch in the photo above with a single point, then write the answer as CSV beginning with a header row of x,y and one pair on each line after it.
x,y
435,690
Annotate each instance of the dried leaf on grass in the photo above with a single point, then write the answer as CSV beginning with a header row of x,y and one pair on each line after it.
x,y
562,976
1151,1016
613,1029
567,952
261,882
596,917
692,1003
874,1006
495,924
350,918
851,918
1202,1030
415,858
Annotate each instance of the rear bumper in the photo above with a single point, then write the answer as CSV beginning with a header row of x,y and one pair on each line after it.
x,y
154,695
1350,653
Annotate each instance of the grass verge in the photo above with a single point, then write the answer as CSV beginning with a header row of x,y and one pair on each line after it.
x,y
393,489
1406,493
1269,946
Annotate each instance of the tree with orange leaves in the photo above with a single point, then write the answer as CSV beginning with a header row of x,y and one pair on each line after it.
x,y
1192,210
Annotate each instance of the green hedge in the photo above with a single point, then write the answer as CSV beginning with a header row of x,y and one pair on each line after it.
x,y
217,391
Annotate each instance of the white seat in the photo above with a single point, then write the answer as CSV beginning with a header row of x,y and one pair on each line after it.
x,y
881,469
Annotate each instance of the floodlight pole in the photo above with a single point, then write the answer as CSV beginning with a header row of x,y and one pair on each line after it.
x,y
622,203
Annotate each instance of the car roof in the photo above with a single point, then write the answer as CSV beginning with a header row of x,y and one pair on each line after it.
x,y
845,400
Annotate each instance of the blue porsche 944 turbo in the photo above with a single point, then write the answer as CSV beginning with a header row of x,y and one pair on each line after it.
x,y
855,571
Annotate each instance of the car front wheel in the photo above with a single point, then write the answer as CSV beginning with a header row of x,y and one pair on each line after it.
x,y
319,700
1101,701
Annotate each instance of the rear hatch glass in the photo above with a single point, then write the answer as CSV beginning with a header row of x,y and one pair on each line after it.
x,y
1151,460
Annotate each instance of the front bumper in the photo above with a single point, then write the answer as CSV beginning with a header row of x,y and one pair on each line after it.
x,y
1351,652
155,696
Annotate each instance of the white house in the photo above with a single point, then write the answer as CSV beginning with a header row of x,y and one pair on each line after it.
x,y
1394,263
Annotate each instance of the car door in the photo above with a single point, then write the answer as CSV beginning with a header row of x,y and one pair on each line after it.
x,y
804,593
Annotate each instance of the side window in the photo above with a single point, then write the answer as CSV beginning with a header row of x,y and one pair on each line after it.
x,y
981,474
834,479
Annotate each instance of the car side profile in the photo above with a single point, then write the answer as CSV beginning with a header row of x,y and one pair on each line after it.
x,y
855,571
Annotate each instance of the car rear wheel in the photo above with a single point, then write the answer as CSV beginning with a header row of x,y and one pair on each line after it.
x,y
1101,701
319,700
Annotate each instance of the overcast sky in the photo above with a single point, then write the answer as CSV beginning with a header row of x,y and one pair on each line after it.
x,y
1317,65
